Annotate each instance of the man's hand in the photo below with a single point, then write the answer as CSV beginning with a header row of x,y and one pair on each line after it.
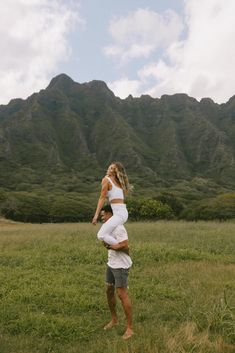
x,y
107,246
125,250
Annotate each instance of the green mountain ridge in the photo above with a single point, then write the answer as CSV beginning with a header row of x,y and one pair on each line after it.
x,y
72,131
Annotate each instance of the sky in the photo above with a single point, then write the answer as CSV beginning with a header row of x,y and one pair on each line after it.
x,y
137,47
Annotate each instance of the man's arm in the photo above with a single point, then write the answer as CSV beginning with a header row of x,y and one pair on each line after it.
x,y
122,237
122,246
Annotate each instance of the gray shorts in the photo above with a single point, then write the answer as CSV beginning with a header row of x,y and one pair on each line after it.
x,y
117,277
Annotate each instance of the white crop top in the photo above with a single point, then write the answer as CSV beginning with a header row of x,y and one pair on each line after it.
x,y
116,192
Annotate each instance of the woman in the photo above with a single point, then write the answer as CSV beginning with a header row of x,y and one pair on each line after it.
x,y
115,186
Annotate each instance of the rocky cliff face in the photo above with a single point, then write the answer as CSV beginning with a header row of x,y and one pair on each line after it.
x,y
83,127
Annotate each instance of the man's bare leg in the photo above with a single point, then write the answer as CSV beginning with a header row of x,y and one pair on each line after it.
x,y
110,292
126,303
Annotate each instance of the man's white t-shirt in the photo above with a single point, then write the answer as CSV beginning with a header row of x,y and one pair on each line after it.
x,y
117,258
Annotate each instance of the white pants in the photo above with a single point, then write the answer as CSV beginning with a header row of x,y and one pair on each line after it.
x,y
120,215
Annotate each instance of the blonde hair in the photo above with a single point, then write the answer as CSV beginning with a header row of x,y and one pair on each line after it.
x,y
121,177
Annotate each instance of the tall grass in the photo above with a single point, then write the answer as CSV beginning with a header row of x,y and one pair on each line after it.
x,y
182,286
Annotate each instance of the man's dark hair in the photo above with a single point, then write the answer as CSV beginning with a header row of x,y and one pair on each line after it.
x,y
107,208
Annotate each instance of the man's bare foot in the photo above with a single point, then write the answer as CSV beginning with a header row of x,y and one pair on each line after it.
x,y
129,332
110,325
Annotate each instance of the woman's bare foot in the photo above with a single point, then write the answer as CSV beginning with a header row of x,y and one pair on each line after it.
x,y
129,332
111,324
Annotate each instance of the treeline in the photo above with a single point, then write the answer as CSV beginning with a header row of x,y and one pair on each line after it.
x,y
168,206
33,208
25,207
221,208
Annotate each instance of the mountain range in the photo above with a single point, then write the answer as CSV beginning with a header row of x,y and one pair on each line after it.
x,y
71,132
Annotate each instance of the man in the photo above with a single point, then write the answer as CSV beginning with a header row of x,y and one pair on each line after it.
x,y
119,263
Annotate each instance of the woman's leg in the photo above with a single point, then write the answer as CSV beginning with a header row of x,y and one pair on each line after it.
x,y
105,232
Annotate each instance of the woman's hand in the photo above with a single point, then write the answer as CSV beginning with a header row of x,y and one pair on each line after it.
x,y
94,220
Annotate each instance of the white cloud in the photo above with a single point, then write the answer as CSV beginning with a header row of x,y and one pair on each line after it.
x,y
124,87
201,65
33,42
141,33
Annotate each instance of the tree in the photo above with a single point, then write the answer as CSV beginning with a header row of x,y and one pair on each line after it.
x,y
172,200
153,209
25,207
148,209
221,207
70,210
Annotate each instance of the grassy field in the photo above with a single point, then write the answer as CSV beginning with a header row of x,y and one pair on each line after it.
x,y
182,286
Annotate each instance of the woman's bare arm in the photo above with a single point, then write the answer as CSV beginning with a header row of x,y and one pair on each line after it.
x,y
102,198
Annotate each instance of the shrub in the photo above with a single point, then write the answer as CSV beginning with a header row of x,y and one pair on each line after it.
x,y
148,209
